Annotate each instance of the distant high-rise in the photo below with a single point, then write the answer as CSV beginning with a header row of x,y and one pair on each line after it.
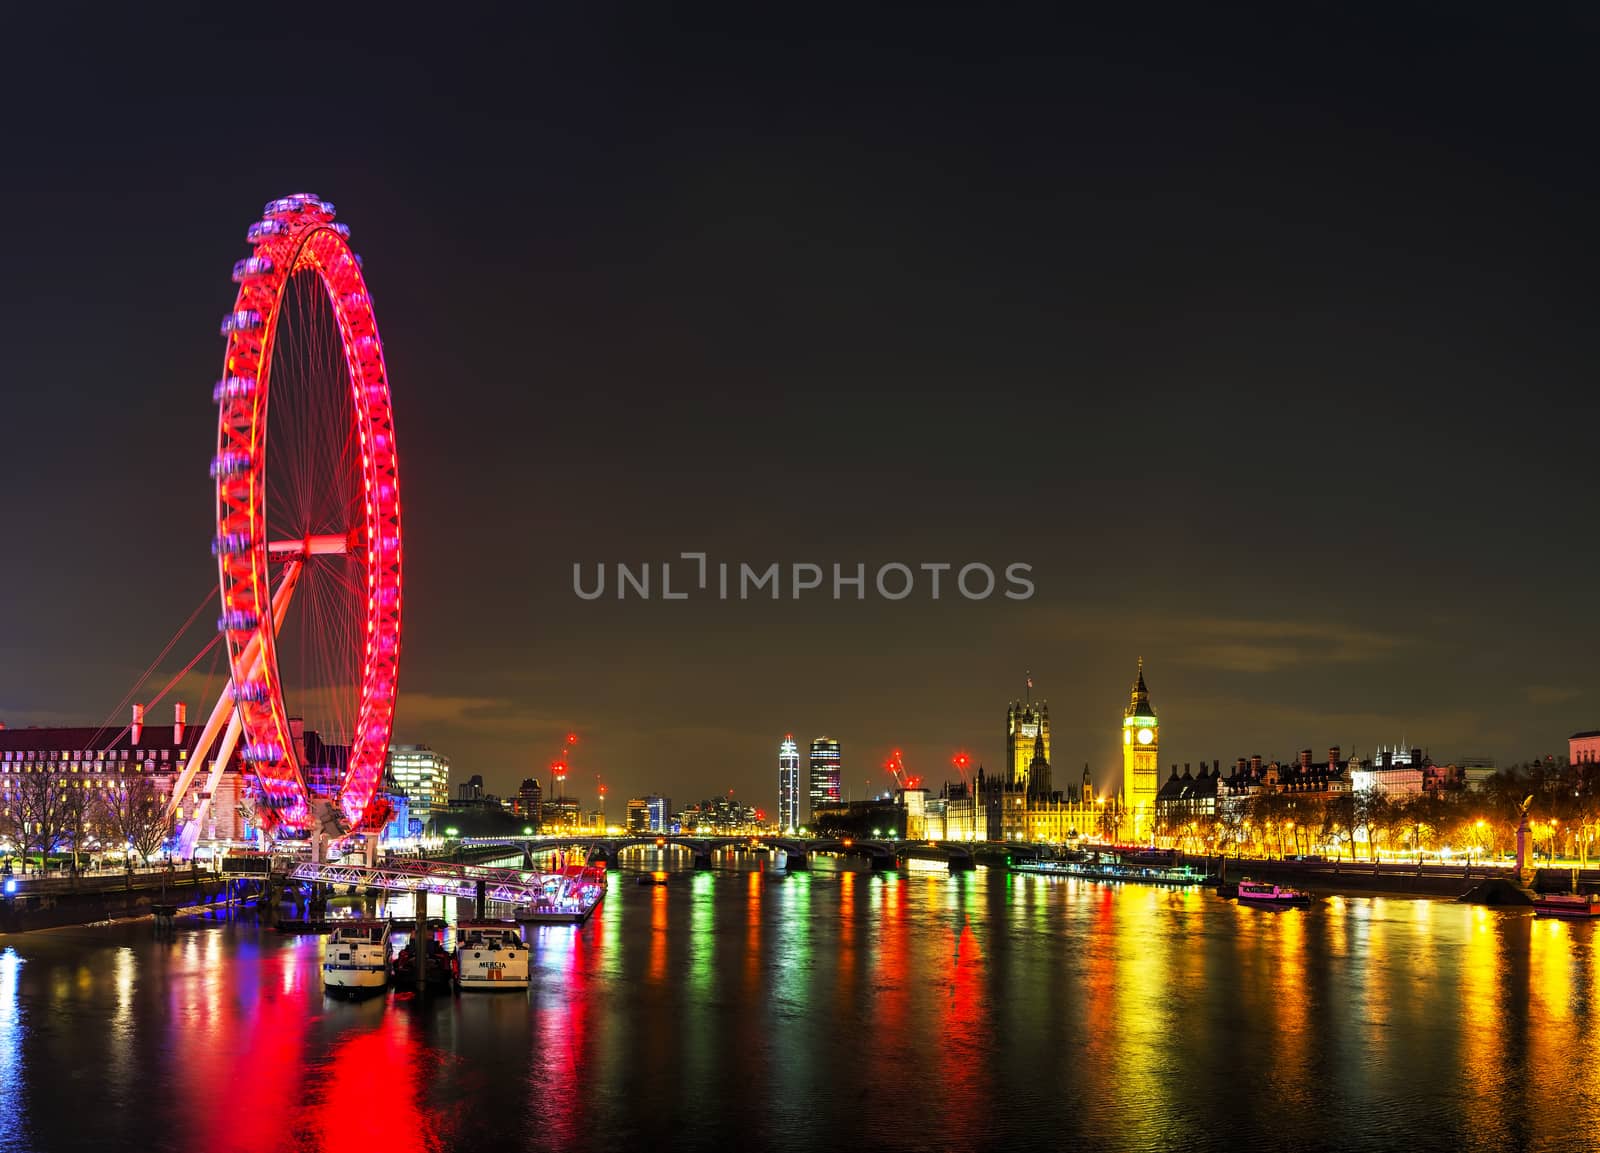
x,y
660,809
788,784
529,804
827,773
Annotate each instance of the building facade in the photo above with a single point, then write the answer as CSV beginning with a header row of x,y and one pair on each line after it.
x,y
638,816
788,818
99,761
423,775
1584,748
660,810
826,774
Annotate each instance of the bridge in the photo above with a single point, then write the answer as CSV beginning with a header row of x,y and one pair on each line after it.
x,y
881,854
473,882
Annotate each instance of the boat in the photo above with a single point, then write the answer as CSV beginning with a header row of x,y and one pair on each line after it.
x,y
356,960
1569,906
651,879
490,955
1264,895
437,973
1114,869
569,898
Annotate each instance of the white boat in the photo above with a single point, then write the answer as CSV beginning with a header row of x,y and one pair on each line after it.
x,y
568,898
490,955
356,960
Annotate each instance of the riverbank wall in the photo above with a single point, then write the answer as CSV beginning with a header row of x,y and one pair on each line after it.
x,y
56,903
1401,879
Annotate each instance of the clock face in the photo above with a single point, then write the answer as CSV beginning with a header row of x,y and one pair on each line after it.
x,y
1146,736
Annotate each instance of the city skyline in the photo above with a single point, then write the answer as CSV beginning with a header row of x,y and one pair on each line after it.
x,y
1245,360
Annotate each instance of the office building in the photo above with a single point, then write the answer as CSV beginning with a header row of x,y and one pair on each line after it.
x,y
423,775
827,774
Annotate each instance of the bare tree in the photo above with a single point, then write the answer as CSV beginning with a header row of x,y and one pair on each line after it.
x,y
137,814
77,817
39,812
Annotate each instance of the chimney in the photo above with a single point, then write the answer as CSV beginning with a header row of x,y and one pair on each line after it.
x,y
180,714
138,723
1239,765
1416,758
1255,763
1305,758
1333,757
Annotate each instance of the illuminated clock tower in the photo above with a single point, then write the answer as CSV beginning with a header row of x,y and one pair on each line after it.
x,y
1140,753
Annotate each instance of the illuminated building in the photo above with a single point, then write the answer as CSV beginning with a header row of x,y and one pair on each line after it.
x,y
1584,748
100,760
1141,742
561,814
915,802
1185,799
827,774
401,826
1021,803
1253,777
788,784
719,816
529,803
1027,737
660,810
423,776
638,816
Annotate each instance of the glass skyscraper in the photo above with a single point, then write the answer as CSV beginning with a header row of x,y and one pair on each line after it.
x,y
827,774
788,785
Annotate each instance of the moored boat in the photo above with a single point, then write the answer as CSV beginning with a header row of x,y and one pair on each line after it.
x,y
1569,906
1114,870
1264,895
568,899
355,961
490,955
436,966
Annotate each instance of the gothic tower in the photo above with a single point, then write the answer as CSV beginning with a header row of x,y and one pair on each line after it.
x,y
1027,724
1140,756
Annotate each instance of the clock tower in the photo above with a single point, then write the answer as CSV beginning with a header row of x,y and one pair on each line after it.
x,y
1140,756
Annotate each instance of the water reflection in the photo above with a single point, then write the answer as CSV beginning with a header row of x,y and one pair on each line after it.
x,y
13,1087
898,1012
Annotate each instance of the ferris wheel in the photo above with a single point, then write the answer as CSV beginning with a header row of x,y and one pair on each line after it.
x,y
308,541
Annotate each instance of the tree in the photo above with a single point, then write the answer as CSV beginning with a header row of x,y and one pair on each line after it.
x,y
39,812
77,817
136,814
1371,813
1339,822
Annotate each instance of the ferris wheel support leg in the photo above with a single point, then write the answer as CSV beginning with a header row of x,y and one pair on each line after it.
x,y
191,831
224,711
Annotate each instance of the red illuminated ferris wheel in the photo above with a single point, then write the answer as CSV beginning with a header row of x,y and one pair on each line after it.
x,y
308,511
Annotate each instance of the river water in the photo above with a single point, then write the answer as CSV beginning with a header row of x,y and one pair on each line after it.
x,y
833,1010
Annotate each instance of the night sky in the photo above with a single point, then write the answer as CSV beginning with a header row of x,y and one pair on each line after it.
x,y
1266,339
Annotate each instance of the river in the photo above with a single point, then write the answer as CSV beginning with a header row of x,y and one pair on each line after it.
x,y
904,1011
